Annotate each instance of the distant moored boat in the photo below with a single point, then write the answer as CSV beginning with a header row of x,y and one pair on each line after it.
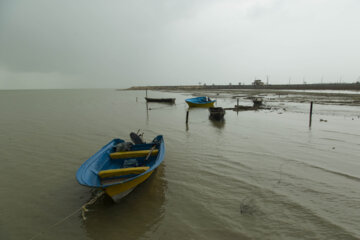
x,y
216,113
163,100
204,102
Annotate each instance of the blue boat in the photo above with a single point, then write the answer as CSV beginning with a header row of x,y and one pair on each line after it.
x,y
204,102
119,172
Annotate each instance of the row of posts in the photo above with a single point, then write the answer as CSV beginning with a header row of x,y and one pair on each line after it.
x,y
310,117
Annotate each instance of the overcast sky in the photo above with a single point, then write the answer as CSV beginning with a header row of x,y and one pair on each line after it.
x,y
119,44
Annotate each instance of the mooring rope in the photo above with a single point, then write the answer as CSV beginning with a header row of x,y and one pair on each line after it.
x,y
92,201
83,210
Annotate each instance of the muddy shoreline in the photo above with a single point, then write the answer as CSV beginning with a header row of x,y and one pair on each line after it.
x,y
314,86
328,98
348,98
327,94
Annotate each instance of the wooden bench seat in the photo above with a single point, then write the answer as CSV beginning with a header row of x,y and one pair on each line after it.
x,y
133,154
121,172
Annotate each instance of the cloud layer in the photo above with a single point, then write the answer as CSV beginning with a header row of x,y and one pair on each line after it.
x,y
86,44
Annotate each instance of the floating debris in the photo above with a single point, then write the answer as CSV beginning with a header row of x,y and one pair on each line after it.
x,y
247,207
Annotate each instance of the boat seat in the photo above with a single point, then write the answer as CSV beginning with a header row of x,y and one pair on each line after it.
x,y
133,154
121,172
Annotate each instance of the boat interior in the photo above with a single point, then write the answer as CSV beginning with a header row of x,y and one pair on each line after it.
x,y
120,166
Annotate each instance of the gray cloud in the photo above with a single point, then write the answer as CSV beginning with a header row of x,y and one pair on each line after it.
x,y
65,44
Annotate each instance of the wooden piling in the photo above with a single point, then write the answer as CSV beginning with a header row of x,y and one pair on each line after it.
x,y
310,118
146,93
237,102
187,116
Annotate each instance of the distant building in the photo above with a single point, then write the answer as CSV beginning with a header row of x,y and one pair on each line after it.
x,y
258,82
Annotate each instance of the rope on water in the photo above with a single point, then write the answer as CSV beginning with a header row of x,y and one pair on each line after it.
x,y
83,209
92,201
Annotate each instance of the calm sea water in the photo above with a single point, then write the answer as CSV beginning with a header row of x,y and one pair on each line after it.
x,y
257,175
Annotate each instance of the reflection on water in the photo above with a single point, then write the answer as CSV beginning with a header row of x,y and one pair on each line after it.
x,y
147,113
154,106
134,215
217,123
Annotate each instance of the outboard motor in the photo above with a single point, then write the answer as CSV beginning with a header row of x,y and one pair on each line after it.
x,y
136,138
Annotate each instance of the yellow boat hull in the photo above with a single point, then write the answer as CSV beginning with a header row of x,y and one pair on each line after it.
x,y
118,191
205,105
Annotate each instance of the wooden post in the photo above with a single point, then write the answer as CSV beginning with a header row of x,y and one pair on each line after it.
x,y
237,102
187,116
146,93
311,108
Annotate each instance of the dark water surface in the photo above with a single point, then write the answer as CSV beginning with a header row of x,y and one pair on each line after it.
x,y
258,175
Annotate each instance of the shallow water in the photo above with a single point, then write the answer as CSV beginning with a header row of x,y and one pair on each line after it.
x,y
257,175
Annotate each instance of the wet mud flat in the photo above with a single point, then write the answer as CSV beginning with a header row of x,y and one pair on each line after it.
x,y
326,102
349,98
